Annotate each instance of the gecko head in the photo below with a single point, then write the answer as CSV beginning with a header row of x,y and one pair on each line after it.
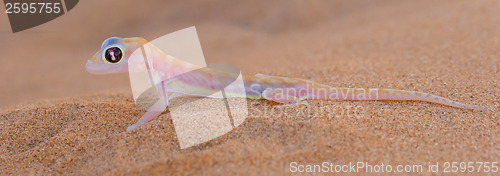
x,y
113,55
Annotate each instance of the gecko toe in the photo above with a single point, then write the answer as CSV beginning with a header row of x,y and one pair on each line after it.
x,y
134,126
296,104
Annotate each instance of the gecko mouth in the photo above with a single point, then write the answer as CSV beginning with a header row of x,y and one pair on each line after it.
x,y
103,68
94,68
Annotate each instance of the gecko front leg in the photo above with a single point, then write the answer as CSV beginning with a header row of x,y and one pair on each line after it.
x,y
152,113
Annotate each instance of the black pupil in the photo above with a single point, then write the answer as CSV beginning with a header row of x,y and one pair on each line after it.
x,y
113,55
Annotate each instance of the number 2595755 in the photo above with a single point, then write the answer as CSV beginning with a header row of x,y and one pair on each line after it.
x,y
470,167
33,8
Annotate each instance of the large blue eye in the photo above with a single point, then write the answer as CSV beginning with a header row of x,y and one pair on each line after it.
x,y
113,54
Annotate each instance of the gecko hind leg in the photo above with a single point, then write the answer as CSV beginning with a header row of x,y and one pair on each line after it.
x,y
280,95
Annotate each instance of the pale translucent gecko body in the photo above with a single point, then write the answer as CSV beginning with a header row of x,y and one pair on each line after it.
x,y
113,58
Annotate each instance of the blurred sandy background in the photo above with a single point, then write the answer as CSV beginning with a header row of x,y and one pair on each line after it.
x,y
58,119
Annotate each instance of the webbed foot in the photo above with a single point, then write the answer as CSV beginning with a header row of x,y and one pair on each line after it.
x,y
282,96
134,126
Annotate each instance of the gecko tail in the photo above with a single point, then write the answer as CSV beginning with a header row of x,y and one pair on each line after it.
x,y
427,97
395,94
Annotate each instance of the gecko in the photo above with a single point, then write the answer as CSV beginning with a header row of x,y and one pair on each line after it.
x,y
115,52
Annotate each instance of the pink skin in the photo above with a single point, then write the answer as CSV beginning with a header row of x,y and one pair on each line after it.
x,y
289,91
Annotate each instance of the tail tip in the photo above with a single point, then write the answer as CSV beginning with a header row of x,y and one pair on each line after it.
x,y
479,108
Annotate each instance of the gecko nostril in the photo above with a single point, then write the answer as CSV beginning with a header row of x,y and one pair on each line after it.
x,y
113,55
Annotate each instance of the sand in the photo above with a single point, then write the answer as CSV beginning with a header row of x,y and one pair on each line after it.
x,y
56,118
